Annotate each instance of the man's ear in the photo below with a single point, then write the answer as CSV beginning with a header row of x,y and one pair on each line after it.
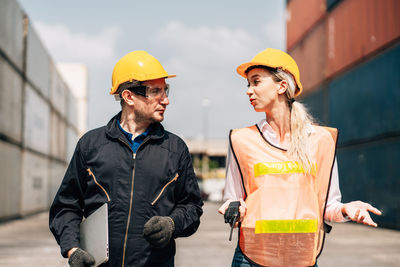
x,y
282,87
128,97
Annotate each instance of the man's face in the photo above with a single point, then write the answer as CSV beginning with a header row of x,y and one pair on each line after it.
x,y
151,108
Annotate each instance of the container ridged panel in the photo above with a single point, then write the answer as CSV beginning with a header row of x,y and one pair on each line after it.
x,y
301,16
369,172
72,140
57,137
10,101
357,28
10,189
309,55
35,172
11,31
37,63
364,103
58,91
37,122
317,105
56,174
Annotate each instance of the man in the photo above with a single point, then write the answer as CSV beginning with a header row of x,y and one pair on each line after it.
x,y
143,172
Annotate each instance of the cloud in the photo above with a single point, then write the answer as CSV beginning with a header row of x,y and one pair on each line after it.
x,y
96,50
205,59
275,34
205,45
66,45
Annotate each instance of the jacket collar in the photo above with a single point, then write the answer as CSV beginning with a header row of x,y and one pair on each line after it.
x,y
113,131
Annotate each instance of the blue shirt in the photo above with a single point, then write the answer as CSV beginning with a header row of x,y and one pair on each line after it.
x,y
135,143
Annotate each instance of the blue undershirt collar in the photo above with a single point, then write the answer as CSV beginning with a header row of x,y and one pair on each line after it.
x,y
138,140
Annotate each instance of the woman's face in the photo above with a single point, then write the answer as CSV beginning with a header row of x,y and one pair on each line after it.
x,y
262,90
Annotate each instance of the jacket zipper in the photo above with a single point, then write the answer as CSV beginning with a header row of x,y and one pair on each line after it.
x,y
130,202
95,180
162,190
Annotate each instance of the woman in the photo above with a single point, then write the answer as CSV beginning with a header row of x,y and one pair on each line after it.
x,y
285,170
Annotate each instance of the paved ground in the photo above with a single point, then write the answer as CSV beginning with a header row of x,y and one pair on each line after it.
x,y
28,242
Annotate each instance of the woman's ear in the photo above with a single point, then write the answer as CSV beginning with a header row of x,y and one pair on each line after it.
x,y
282,87
128,97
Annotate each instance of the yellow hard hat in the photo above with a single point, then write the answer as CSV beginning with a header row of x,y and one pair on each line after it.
x,y
274,58
138,66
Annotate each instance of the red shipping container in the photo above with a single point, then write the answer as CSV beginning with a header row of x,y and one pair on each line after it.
x,y
310,55
301,16
357,28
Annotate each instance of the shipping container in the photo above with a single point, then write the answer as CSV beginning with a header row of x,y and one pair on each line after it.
x,y
309,55
317,104
35,172
72,110
10,101
72,140
56,174
58,91
76,77
57,137
357,28
368,172
82,116
37,122
302,15
330,4
12,31
364,103
37,63
10,177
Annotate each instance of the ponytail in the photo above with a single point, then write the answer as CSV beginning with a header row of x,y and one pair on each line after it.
x,y
300,121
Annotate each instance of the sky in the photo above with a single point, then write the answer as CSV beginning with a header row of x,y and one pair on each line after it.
x,y
202,42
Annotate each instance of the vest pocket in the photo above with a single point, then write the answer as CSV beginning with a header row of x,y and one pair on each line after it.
x,y
97,183
163,189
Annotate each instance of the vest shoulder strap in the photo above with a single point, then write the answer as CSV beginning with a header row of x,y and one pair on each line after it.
x,y
333,131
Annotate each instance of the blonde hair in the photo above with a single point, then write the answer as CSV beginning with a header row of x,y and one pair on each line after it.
x,y
300,119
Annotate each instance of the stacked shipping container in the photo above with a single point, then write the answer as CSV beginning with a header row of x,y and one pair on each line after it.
x,y
35,118
349,60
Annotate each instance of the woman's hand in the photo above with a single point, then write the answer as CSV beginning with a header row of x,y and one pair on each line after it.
x,y
242,209
358,211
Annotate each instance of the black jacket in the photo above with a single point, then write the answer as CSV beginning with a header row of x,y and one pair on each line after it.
x,y
104,169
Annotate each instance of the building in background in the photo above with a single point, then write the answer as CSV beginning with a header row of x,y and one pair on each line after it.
x,y
41,117
348,53
209,160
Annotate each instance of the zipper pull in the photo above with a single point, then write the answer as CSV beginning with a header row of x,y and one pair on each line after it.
x,y
134,159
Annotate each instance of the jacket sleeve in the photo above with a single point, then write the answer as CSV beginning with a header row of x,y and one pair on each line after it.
x,y
188,209
67,209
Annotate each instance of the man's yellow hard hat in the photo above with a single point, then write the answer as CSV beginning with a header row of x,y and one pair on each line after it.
x,y
274,58
137,66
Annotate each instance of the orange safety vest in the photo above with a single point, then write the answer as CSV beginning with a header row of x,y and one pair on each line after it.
x,y
284,221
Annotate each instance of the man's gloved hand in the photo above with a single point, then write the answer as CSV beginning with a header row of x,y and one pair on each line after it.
x,y
81,258
159,230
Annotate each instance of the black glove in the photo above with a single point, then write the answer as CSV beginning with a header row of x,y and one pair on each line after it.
x,y
81,258
159,230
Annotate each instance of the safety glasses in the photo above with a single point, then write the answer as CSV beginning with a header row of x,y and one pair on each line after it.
x,y
151,92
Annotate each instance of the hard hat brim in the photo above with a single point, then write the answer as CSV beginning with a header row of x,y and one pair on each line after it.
x,y
242,68
114,89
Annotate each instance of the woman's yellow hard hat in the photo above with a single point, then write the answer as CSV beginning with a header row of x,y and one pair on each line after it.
x,y
274,58
137,66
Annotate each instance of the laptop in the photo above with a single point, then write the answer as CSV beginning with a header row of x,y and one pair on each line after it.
x,y
94,234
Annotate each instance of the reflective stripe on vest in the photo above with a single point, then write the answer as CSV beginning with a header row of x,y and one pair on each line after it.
x,y
283,225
